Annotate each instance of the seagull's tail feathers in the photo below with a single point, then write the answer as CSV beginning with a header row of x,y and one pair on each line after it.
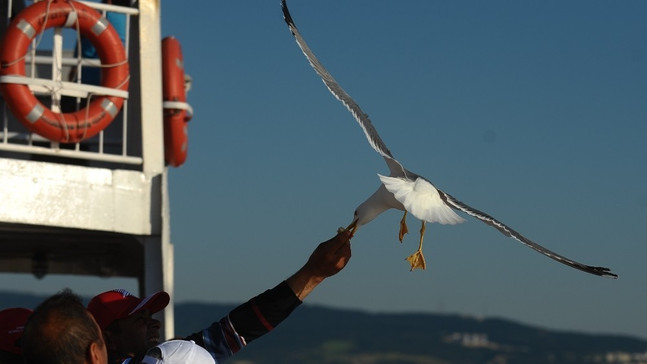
x,y
506,230
362,118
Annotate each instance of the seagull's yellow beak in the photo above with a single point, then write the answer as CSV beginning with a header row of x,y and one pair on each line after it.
x,y
352,227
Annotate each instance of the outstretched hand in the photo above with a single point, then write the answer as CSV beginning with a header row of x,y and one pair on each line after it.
x,y
328,259
331,256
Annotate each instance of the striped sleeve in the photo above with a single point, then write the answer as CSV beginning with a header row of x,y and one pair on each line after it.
x,y
264,312
247,322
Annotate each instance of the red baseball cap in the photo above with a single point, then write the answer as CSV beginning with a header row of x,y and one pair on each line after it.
x,y
12,324
119,303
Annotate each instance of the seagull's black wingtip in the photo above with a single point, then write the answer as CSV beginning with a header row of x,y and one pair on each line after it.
x,y
286,13
603,272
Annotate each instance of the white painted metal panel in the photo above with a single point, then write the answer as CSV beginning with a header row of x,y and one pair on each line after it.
x,y
70,196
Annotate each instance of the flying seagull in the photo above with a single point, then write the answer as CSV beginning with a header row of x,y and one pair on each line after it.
x,y
407,191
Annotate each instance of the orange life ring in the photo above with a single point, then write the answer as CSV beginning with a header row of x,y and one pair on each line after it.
x,y
176,110
69,127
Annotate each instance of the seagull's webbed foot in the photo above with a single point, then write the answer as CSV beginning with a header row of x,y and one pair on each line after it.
x,y
403,226
417,259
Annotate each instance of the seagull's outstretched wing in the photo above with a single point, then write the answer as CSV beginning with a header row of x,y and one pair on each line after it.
x,y
506,230
362,118
376,142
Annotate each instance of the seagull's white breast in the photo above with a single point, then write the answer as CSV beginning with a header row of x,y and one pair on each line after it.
x,y
421,199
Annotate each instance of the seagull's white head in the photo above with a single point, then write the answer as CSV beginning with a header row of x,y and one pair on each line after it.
x,y
379,202
365,213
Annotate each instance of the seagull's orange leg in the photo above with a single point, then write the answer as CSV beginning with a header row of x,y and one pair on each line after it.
x,y
417,259
403,226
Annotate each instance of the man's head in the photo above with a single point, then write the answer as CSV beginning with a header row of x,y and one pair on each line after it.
x,y
126,321
61,331
12,325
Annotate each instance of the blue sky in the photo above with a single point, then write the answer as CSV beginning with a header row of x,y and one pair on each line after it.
x,y
532,111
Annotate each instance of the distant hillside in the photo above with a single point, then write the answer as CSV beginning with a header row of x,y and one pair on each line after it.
x,y
319,335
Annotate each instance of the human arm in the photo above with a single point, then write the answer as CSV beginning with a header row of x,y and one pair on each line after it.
x,y
264,312
328,259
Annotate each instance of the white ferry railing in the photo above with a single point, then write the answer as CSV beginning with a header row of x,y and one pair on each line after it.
x,y
16,138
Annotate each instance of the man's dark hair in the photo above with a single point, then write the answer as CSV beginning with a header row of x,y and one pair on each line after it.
x,y
10,358
60,331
